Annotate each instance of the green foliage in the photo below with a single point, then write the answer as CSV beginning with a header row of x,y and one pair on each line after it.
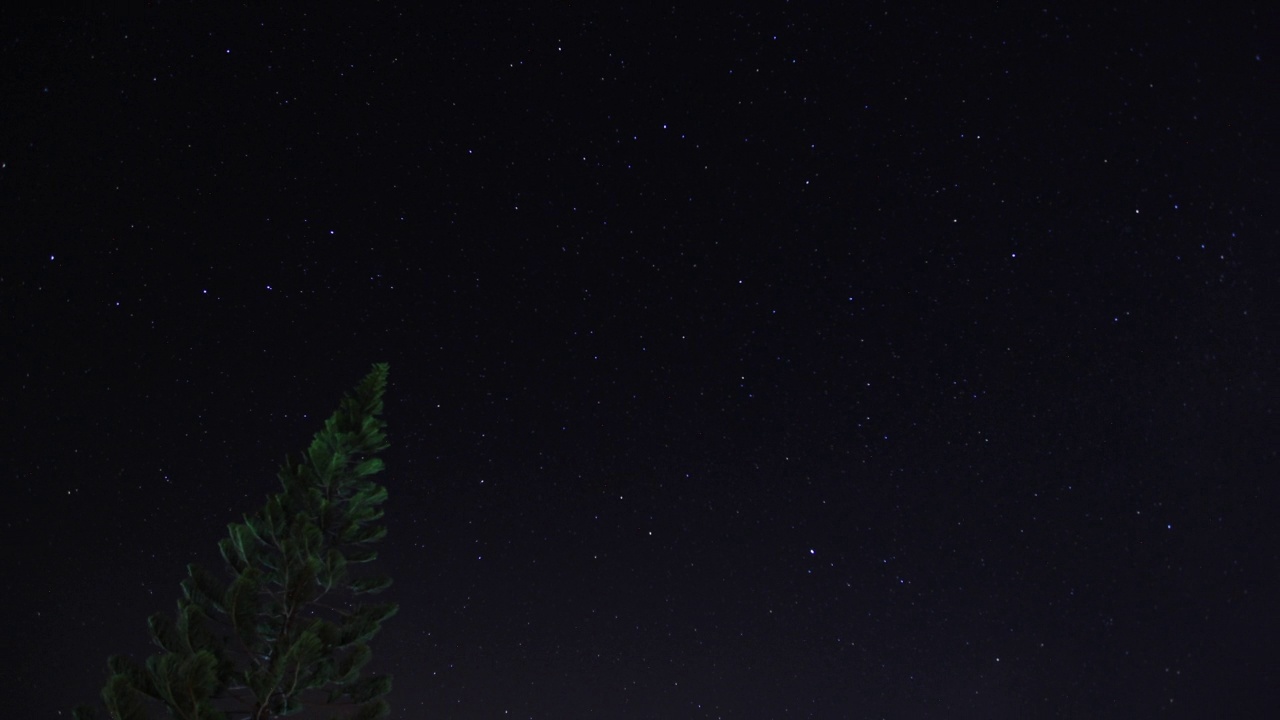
x,y
288,621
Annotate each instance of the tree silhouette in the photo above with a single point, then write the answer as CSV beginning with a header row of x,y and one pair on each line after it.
x,y
289,627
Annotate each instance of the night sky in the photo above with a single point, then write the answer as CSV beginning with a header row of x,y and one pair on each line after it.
x,y
786,362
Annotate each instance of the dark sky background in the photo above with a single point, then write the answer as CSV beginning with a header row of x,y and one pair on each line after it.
x,y
787,362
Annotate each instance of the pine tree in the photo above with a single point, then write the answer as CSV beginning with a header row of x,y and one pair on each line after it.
x,y
290,626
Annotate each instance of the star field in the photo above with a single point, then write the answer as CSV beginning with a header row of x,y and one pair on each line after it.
x,y
781,362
